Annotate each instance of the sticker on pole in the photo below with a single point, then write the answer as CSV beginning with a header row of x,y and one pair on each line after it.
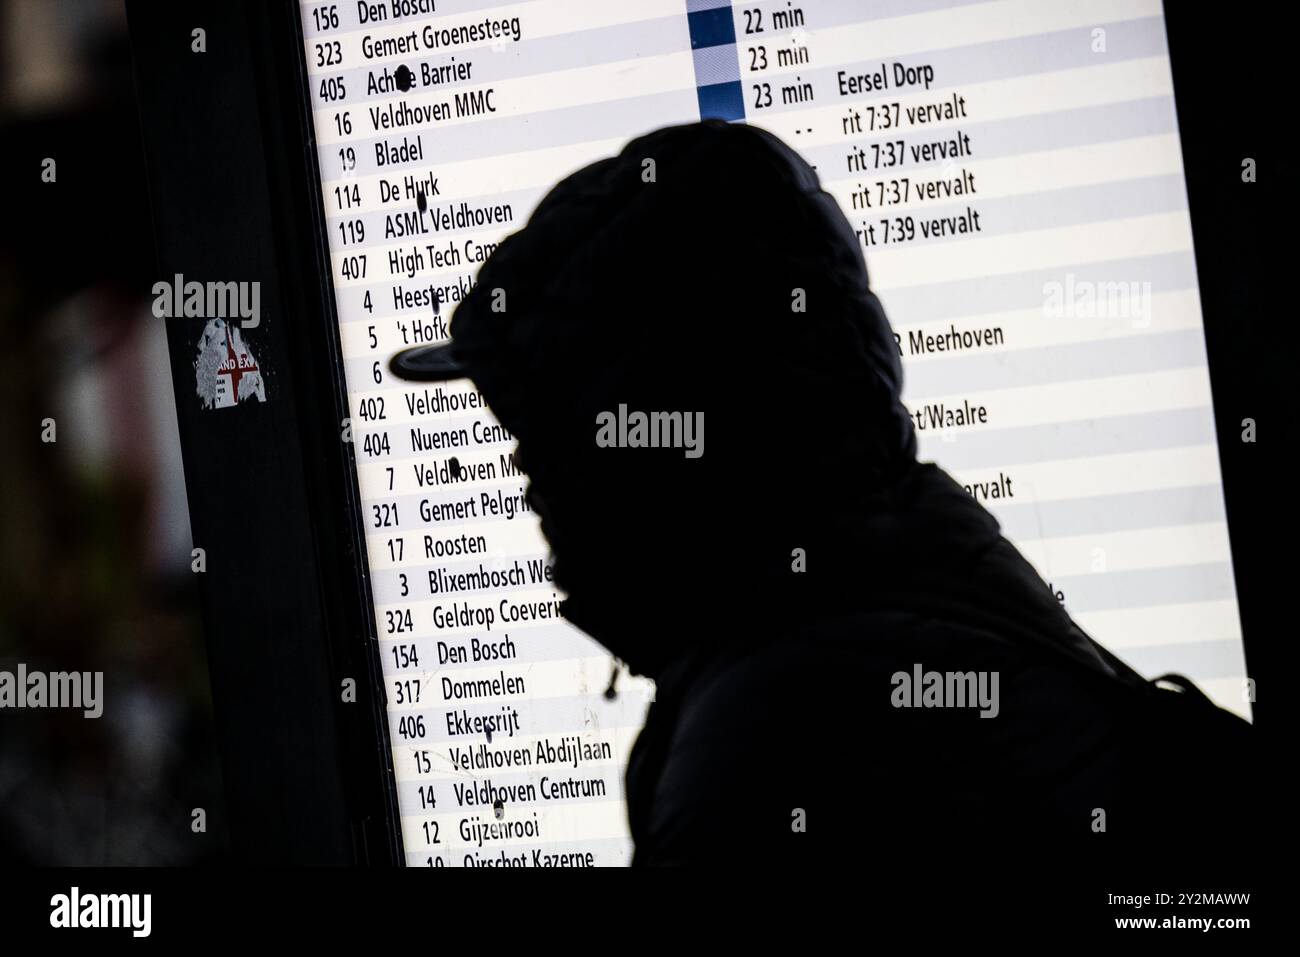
x,y
225,370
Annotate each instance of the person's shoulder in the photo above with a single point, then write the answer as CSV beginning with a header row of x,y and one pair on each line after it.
x,y
800,725
817,687
852,651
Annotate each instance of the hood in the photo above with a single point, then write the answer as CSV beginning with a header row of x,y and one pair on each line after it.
x,y
701,273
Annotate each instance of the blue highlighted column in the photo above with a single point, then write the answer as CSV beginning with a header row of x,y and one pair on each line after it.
x,y
717,68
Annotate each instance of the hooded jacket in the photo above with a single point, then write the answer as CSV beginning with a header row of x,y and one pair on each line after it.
x,y
793,589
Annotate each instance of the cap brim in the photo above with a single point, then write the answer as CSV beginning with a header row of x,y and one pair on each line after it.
x,y
429,364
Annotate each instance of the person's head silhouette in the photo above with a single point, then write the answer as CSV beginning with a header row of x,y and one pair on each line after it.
x,y
698,291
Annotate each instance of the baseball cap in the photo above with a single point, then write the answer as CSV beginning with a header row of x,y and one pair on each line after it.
x,y
435,363
674,291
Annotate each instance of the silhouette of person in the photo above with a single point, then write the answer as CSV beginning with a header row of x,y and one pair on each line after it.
x,y
852,664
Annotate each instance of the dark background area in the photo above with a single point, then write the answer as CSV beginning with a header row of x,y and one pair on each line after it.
x,y
1224,77
94,531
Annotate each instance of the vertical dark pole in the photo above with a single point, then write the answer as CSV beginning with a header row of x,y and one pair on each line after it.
x,y
271,486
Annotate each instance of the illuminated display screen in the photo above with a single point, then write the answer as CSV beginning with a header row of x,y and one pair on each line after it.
x,y
1013,173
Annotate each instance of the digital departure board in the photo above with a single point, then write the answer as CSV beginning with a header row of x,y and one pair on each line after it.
x,y
1012,171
